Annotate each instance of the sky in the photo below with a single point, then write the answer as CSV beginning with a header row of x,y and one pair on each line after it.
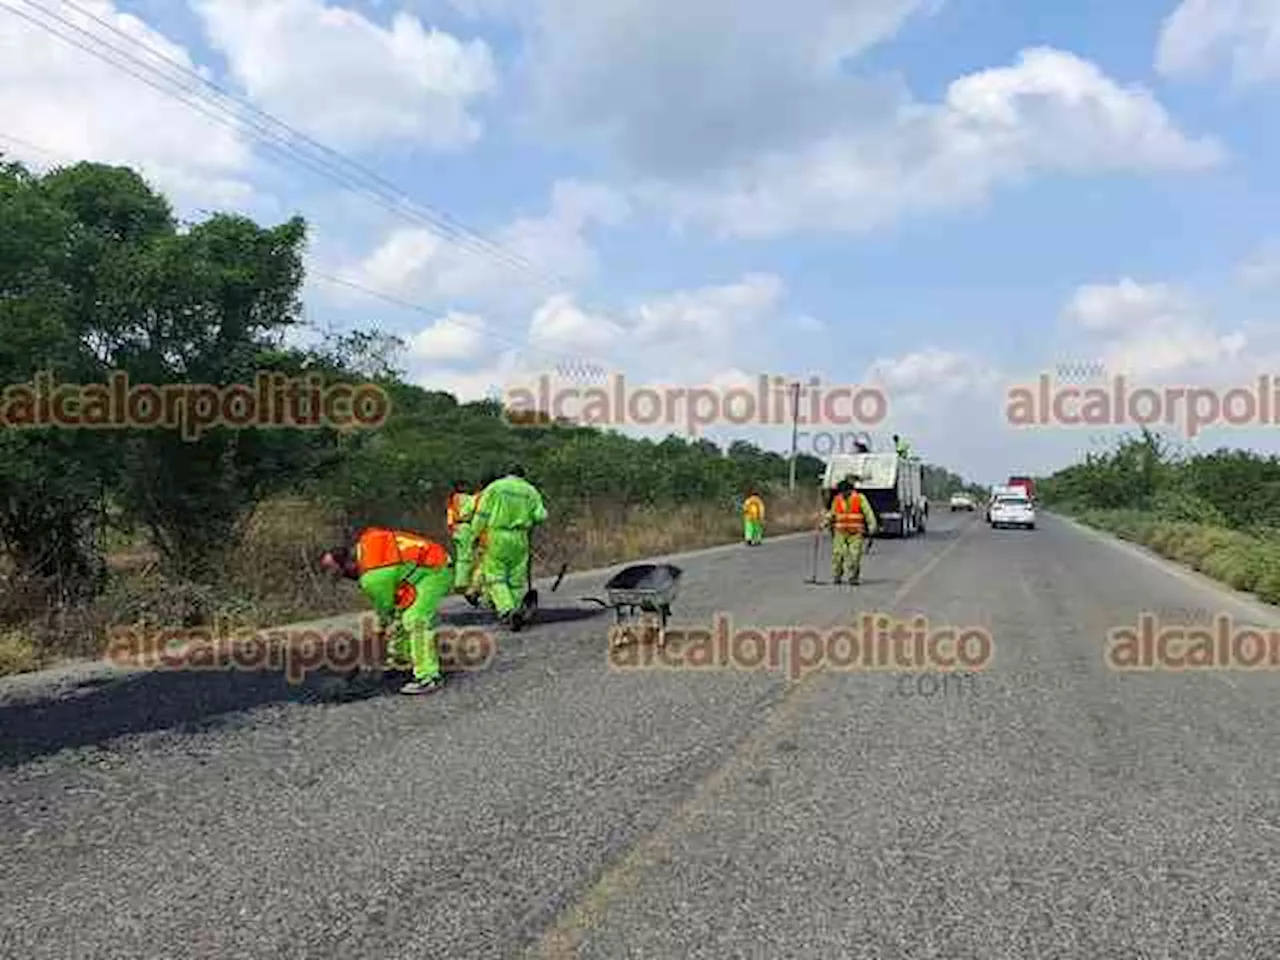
x,y
935,200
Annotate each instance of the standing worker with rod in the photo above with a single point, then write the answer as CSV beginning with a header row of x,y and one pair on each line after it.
x,y
851,519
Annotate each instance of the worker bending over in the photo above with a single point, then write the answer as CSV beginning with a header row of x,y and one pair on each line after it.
x,y
509,510
851,520
753,518
405,576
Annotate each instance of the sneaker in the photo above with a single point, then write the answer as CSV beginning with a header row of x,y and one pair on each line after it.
x,y
416,688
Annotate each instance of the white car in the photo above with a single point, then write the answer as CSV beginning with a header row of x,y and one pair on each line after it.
x,y
961,501
1011,511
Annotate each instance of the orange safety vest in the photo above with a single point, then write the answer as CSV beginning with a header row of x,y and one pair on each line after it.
x,y
848,514
454,510
379,547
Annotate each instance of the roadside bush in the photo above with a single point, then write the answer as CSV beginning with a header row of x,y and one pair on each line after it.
x,y
1239,565
1182,506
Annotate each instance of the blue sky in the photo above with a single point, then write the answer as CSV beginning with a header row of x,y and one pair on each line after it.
x,y
943,198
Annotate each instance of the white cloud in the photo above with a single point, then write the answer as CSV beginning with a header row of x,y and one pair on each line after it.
x,y
709,317
1125,305
1052,112
933,370
341,77
561,326
677,87
536,253
1142,330
69,105
468,386
454,337
1201,35
706,336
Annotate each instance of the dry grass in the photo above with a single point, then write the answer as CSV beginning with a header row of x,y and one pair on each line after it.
x,y
271,580
1239,560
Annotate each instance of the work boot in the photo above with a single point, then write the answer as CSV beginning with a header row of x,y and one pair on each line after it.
x,y
418,688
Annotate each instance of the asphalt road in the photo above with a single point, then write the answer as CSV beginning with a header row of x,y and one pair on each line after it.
x,y
1047,807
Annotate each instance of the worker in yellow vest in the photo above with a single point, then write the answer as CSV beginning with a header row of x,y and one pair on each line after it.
x,y
753,519
851,520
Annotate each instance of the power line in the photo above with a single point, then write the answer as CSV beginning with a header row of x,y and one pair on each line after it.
x,y
275,143
243,114
326,275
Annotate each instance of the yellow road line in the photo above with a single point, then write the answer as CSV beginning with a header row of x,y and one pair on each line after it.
x,y
562,939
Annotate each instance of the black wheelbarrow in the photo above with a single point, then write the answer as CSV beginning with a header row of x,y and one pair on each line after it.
x,y
644,591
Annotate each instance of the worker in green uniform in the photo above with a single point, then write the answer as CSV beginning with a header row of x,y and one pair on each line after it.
x,y
509,510
405,576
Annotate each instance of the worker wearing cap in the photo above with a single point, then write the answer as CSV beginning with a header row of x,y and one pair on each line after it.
x,y
753,518
851,520
509,510
405,576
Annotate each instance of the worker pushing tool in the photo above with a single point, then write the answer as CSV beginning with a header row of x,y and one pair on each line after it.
x,y
753,518
509,510
405,576
851,520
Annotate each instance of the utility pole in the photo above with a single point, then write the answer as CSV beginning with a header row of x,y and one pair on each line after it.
x,y
795,426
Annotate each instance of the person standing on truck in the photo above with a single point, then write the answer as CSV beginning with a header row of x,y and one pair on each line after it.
x,y
851,520
405,576
900,445
753,518
509,510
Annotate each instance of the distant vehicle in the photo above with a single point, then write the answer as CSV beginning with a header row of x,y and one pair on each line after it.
x,y
1002,491
1026,483
893,485
1013,510
962,501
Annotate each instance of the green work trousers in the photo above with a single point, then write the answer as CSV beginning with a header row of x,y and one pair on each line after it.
x,y
416,631
505,569
464,552
846,555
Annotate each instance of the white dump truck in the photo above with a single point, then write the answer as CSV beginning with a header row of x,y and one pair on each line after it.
x,y
893,485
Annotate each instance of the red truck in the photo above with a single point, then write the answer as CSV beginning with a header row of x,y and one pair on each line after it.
x,y
1026,483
